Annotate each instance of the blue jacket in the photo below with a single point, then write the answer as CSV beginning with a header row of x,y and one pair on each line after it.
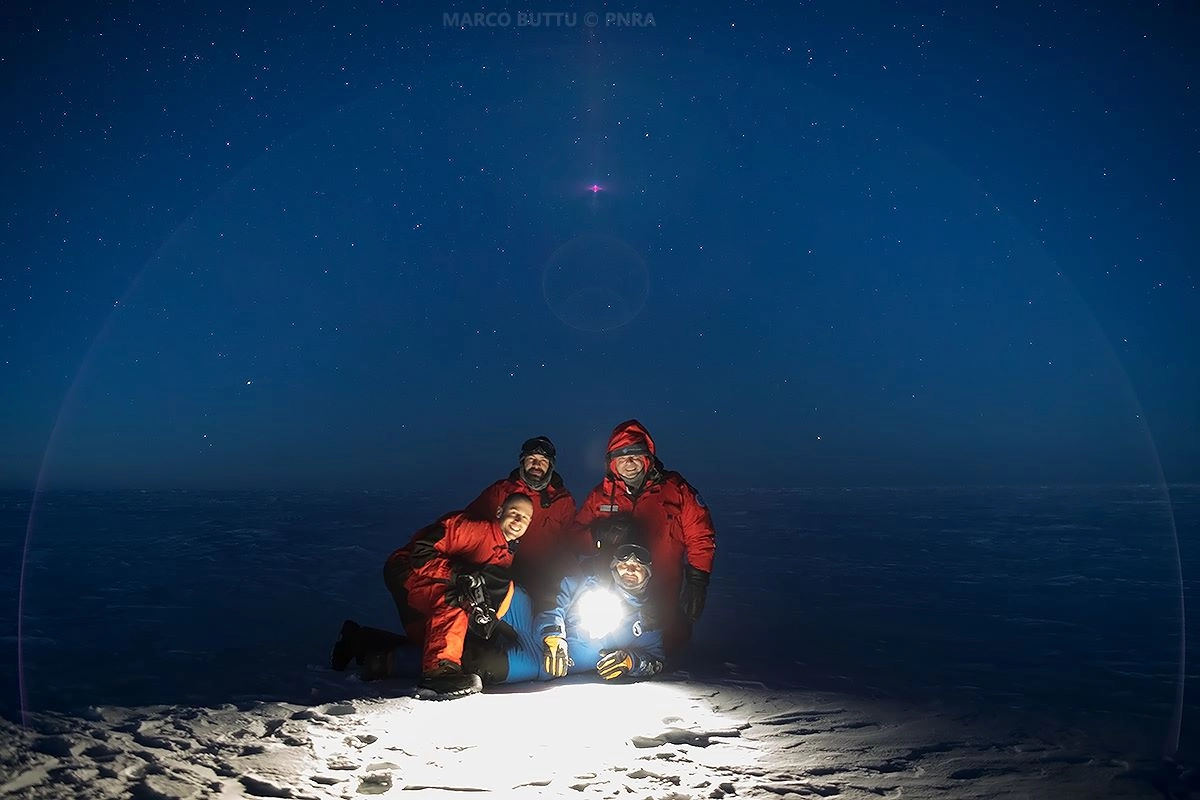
x,y
633,628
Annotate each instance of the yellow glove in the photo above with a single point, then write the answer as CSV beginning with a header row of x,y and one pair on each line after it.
x,y
615,665
554,656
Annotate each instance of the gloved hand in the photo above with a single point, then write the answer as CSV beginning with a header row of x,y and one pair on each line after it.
x,y
695,591
616,664
465,590
554,656
622,663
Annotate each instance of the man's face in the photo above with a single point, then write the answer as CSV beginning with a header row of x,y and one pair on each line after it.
x,y
515,518
631,574
536,466
630,467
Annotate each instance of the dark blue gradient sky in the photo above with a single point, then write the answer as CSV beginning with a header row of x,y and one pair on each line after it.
x,y
838,244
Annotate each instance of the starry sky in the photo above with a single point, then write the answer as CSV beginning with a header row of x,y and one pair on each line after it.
x,y
361,246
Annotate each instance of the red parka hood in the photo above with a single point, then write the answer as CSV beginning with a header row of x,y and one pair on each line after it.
x,y
628,436
631,438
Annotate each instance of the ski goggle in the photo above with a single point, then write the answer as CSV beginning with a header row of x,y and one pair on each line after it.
x,y
632,552
634,449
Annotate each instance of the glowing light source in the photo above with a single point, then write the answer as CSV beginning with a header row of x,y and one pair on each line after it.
x,y
600,610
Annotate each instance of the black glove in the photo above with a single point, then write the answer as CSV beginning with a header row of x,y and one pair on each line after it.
x,y
695,591
479,594
483,622
473,585
466,591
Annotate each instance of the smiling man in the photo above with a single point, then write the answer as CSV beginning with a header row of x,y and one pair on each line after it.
x,y
672,514
432,576
605,621
544,556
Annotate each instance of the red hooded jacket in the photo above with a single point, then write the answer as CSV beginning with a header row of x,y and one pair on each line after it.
x,y
455,540
672,514
426,566
537,563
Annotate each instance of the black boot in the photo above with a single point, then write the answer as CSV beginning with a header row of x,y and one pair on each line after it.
x,y
376,666
358,642
345,648
449,681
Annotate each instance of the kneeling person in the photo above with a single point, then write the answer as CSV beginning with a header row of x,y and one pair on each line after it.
x,y
430,577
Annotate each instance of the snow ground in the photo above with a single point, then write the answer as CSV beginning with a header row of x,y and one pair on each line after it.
x,y
668,739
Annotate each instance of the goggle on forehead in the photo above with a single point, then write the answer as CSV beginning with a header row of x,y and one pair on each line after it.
x,y
632,553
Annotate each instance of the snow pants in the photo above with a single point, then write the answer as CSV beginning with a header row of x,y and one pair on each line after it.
x,y
428,620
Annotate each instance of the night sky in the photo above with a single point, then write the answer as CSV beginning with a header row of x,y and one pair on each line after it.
x,y
352,246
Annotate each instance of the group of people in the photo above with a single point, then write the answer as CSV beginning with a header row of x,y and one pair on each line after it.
x,y
521,585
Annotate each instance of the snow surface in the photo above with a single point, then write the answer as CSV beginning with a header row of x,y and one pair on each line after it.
x,y
659,739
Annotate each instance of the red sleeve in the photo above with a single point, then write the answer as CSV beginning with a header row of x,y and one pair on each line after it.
x,y
580,532
474,542
699,538
484,506
427,552
453,539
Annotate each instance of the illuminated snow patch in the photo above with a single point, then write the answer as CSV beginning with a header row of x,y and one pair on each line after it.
x,y
559,733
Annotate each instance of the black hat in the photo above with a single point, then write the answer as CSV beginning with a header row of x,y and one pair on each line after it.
x,y
540,445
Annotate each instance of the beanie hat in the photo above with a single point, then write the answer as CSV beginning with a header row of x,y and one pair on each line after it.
x,y
538,445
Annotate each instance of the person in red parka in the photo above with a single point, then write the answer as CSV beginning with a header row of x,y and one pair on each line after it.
x,y
426,578
673,515
545,554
